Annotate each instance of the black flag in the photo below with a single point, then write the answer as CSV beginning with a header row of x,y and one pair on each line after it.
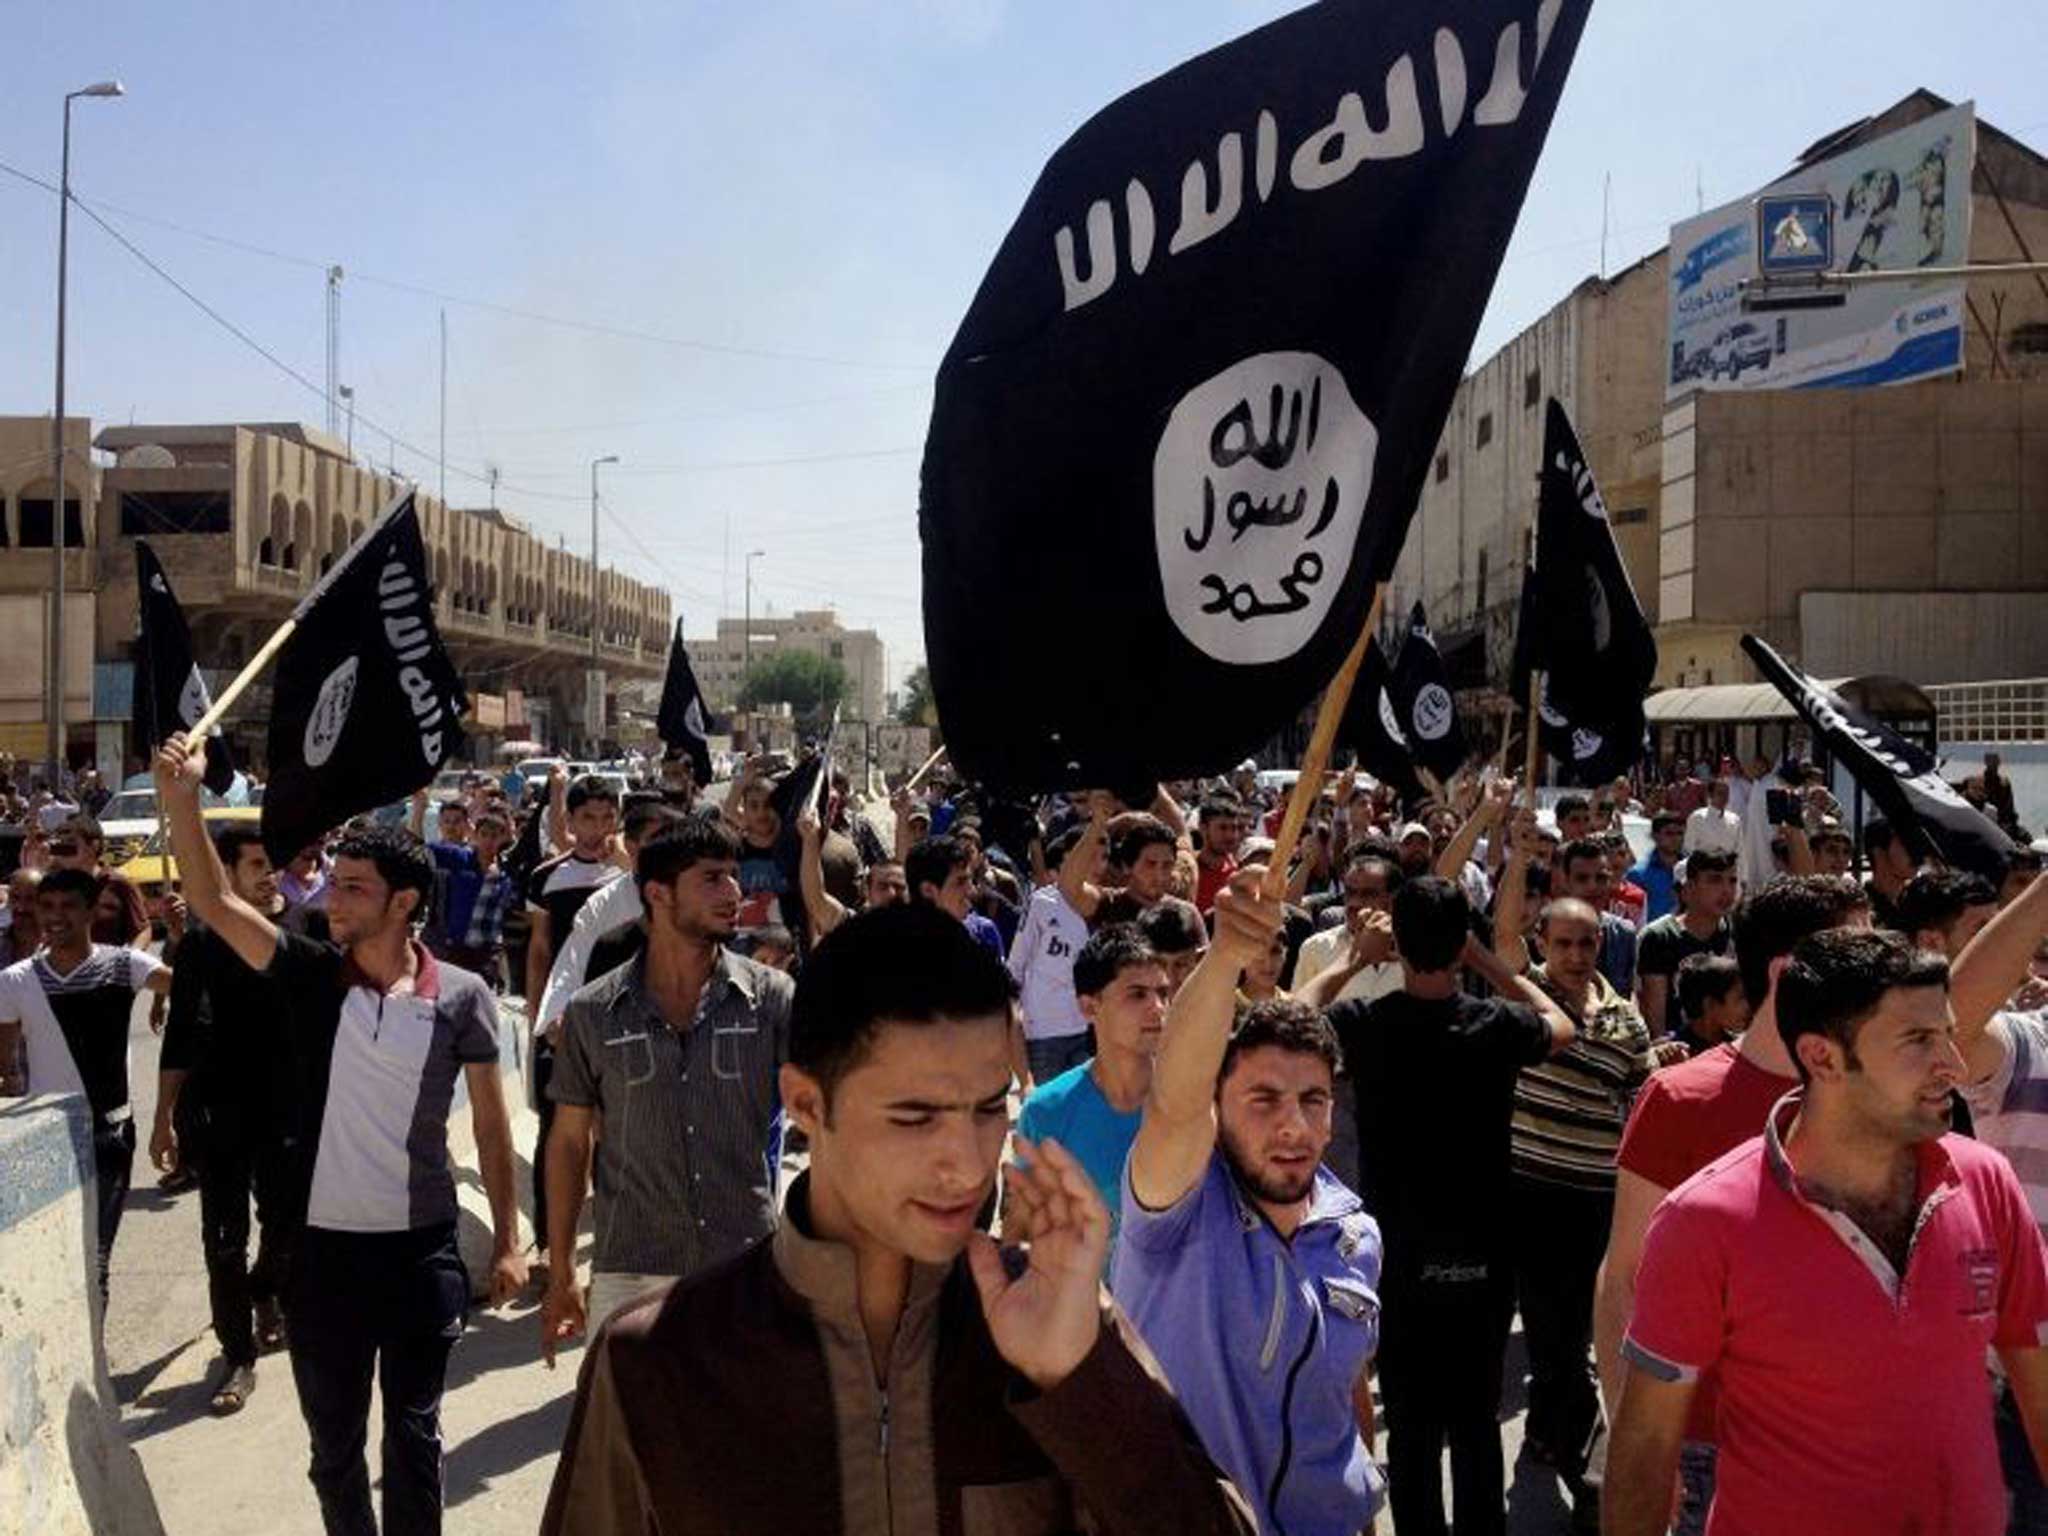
x,y
1920,804
367,705
1372,727
1421,694
1580,623
680,721
1197,393
170,695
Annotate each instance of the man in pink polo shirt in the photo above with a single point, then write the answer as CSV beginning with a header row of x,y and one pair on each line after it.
x,y
1842,1276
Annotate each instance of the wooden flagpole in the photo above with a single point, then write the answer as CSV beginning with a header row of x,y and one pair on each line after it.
x,y
1310,784
206,722
930,763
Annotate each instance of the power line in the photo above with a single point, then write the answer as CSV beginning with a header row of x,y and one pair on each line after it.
x,y
421,290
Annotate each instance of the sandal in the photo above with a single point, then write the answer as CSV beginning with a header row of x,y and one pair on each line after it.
x,y
236,1383
270,1335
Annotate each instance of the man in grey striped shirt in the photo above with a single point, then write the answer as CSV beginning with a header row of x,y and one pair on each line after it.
x,y
678,1053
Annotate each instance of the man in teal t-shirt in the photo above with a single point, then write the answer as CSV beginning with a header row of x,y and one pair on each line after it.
x,y
1093,1110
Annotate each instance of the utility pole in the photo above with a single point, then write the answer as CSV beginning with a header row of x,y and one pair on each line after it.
x,y
334,389
444,407
1606,193
349,395
595,707
57,739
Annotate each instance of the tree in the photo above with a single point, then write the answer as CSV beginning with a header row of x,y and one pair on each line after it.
x,y
808,683
918,706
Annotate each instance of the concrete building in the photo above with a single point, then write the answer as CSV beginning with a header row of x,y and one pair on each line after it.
x,y
27,489
721,662
246,517
1902,530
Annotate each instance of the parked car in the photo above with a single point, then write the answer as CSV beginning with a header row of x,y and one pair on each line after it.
x,y
148,867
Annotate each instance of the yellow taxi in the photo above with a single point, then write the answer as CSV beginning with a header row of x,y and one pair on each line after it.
x,y
146,869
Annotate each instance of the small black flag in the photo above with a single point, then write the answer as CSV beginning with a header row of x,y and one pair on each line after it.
x,y
1421,692
1900,778
680,722
367,706
1580,623
1372,726
1201,384
170,695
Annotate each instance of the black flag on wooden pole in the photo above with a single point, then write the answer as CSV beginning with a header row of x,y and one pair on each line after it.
x,y
680,721
1190,410
170,694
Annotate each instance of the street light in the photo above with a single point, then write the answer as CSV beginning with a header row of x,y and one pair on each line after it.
x,y
103,88
349,396
594,708
747,639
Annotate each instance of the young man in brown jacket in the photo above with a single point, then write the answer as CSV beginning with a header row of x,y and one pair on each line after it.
x,y
878,1365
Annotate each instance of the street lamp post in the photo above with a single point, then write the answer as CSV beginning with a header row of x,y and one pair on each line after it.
x,y
595,709
747,639
103,88
349,396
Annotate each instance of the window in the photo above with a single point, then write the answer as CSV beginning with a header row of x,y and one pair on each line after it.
x,y
1622,516
1443,467
2031,337
1480,599
1532,388
838,650
35,523
152,512
1485,433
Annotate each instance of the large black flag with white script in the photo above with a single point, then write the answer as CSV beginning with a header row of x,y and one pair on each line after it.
x,y
366,706
1902,779
680,721
1188,414
170,695
1581,625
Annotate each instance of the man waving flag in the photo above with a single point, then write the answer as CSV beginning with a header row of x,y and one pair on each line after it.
x,y
1197,393
170,695
1580,623
367,705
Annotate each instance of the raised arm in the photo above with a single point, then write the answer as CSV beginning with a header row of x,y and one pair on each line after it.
x,y
1510,913
1178,1130
1988,970
250,934
557,825
1459,850
824,910
1517,988
1081,862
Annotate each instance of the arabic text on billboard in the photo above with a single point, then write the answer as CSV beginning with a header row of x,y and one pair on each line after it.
x,y
1900,202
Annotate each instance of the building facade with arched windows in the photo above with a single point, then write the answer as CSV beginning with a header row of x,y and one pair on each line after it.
x,y
246,517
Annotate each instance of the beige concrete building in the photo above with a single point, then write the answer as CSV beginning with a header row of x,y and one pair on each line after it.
x,y
721,661
28,487
246,517
1862,530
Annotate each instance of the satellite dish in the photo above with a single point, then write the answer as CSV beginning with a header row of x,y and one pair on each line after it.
x,y
146,456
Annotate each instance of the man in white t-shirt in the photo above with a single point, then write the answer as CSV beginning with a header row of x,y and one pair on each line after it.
x,y
1042,957
1713,826
1355,959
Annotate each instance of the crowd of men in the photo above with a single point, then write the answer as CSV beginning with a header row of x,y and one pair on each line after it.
x,y
1751,1147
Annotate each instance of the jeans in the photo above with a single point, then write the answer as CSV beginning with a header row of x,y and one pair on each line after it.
x,y
237,1161
544,1110
1055,1054
1443,1335
388,1304
1561,1235
1696,1471
2029,1499
113,1165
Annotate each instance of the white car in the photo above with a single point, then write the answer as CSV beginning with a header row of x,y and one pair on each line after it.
x,y
130,819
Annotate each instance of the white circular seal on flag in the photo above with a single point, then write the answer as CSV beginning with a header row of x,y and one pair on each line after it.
x,y
192,698
1433,712
1389,721
330,713
1586,744
1259,487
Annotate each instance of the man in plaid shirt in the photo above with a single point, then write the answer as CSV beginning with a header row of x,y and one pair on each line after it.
x,y
481,945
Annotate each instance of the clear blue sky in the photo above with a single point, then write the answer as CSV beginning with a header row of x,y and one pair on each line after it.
x,y
824,180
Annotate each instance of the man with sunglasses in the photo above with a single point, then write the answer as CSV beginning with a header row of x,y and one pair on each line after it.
x,y
118,916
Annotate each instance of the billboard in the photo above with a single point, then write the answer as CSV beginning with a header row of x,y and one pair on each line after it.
x,y
1898,202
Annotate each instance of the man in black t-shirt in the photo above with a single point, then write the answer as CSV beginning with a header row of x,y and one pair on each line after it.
x,y
1700,926
74,999
1434,1070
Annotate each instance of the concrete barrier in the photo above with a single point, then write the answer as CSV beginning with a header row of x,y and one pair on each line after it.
x,y
474,1229
64,1465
